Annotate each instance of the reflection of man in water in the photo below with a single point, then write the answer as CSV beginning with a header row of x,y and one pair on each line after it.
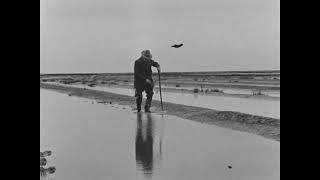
x,y
144,144
149,136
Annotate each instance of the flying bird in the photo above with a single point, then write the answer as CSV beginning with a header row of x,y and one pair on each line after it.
x,y
177,45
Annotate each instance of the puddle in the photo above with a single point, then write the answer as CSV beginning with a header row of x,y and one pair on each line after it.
x,y
271,93
97,141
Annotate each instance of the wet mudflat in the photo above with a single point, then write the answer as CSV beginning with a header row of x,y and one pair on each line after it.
x,y
272,93
96,141
266,108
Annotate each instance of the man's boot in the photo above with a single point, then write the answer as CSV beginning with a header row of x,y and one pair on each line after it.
x,y
147,106
149,91
148,103
138,101
138,106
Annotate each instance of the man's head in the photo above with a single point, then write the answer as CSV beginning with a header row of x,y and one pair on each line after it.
x,y
146,54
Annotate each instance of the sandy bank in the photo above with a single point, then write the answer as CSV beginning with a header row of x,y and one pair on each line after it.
x,y
263,126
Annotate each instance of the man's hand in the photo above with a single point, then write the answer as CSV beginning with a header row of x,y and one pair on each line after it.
x,y
148,81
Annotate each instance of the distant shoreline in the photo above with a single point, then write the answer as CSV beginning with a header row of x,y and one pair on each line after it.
x,y
263,126
169,72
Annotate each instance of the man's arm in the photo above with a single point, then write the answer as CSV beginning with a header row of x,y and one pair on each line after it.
x,y
155,64
137,71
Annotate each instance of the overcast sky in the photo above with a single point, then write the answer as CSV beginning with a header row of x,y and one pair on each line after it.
x,y
108,35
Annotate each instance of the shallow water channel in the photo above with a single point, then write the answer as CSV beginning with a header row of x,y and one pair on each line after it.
x,y
89,140
262,107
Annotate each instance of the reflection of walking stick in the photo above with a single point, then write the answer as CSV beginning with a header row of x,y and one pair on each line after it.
x,y
160,91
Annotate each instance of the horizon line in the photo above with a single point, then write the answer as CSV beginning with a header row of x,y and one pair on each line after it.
x,y
233,71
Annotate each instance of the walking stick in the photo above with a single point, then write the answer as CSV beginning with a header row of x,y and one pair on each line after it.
x,y
160,91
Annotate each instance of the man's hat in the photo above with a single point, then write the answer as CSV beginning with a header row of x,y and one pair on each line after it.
x,y
146,54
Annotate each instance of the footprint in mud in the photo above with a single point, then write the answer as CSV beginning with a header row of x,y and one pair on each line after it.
x,y
43,161
45,153
49,170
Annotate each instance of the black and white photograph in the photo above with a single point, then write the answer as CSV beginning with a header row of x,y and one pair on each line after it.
x,y
159,90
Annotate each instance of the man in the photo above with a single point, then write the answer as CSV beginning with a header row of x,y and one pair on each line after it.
x,y
143,79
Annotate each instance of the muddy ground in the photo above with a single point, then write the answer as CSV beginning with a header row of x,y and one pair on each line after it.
x,y
263,126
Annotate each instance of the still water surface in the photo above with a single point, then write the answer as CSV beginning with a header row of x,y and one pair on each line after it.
x,y
95,141
261,107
